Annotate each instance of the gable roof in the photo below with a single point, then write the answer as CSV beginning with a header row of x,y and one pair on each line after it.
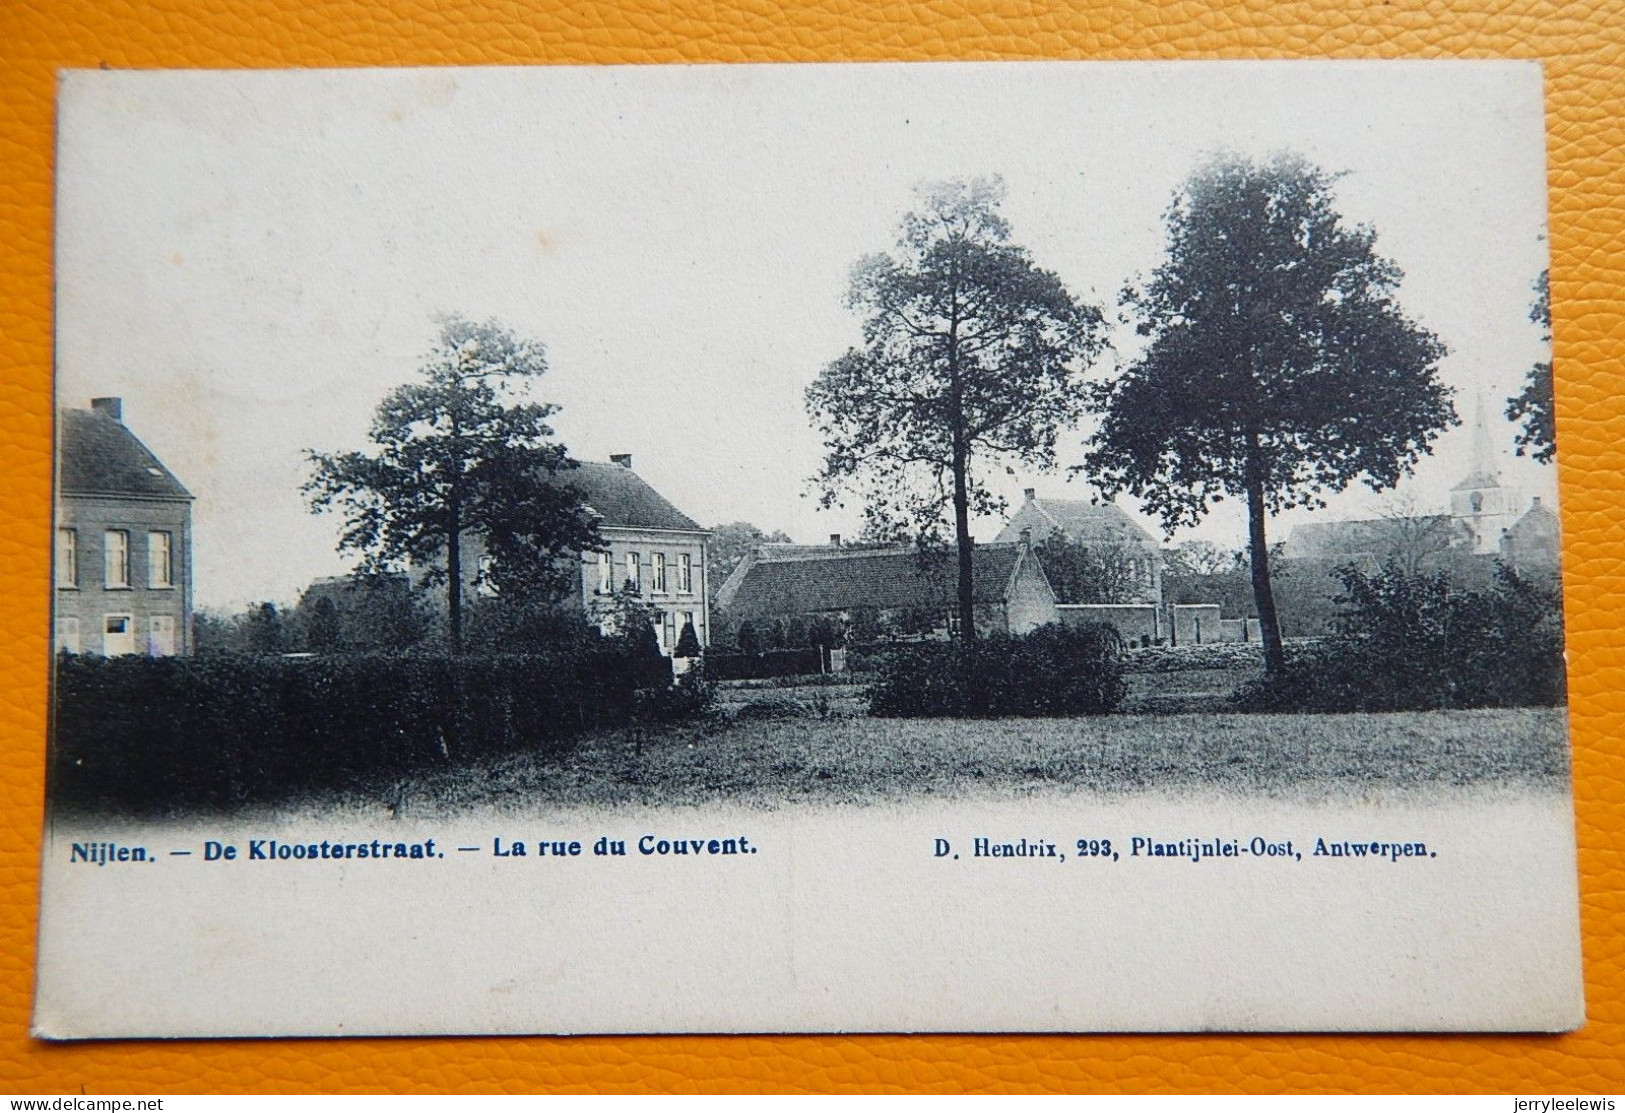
x,y
883,579
97,455
621,497
1079,520
1538,521
1363,536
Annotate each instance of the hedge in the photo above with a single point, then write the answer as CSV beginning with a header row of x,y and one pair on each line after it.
x,y
145,735
1187,658
1054,670
764,666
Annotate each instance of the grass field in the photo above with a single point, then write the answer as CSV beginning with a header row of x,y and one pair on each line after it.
x,y
762,761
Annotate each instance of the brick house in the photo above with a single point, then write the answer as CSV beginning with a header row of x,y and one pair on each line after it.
x,y
1104,526
650,546
899,590
123,565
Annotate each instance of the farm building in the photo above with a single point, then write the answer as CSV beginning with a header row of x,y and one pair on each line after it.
x,y
896,591
1104,527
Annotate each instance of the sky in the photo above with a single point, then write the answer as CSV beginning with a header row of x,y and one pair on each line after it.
x,y
252,260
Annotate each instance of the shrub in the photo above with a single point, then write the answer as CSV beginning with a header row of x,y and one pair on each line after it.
x,y
1188,658
157,734
1410,642
688,642
770,707
692,697
1054,670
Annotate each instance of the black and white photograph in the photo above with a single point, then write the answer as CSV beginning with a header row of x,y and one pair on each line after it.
x,y
1000,547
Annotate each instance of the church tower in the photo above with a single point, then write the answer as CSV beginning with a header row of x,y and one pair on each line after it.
x,y
1479,502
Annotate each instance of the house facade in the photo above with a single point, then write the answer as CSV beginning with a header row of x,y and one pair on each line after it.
x,y
652,551
897,590
1104,527
123,561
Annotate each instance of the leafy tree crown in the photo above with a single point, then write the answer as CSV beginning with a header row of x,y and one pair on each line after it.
x,y
969,350
1274,350
1534,406
464,449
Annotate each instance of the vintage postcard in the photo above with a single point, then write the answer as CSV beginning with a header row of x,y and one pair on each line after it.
x,y
997,547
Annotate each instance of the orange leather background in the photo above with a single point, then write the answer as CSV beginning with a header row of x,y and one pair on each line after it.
x,y
1581,45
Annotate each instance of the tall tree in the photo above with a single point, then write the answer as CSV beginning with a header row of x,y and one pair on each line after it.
x,y
461,454
972,355
1277,366
1533,405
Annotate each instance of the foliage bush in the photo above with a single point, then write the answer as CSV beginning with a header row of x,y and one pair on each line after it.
x,y
1189,658
688,642
1054,670
768,708
692,697
146,735
1411,642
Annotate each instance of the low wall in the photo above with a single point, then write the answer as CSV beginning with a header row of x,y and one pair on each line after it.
x,y
1200,624
1241,630
1137,622
1196,624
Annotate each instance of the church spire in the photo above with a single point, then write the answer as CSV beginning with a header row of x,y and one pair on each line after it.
x,y
1483,471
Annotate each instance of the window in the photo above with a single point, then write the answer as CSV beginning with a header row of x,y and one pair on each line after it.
x,y
160,566
483,586
688,620
116,558
660,572
118,634
161,635
67,635
67,560
1477,501
685,573
668,632
606,574
634,572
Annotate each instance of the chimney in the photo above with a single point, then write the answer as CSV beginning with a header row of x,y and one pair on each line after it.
x,y
835,541
622,458
1030,492
1536,502
112,407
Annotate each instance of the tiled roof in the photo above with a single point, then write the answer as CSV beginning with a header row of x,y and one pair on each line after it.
x,y
99,456
621,498
1082,520
879,578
